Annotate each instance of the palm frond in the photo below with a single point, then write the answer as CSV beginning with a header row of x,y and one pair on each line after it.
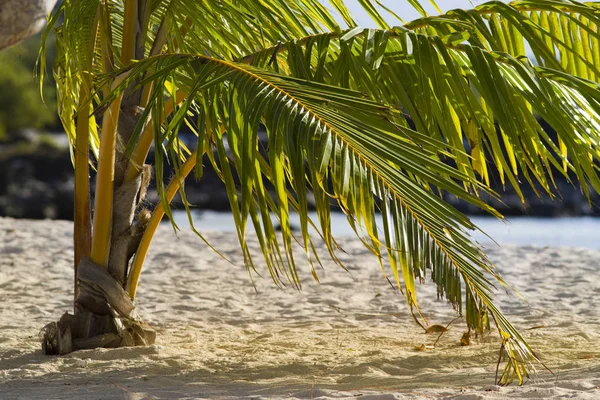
x,y
474,94
559,34
377,120
344,146
75,52
228,29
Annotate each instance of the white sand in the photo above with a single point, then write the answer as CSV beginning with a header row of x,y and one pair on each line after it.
x,y
350,336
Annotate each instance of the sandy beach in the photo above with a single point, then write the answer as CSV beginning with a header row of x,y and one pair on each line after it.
x,y
351,336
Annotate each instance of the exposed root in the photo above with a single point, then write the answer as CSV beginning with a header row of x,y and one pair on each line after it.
x,y
105,317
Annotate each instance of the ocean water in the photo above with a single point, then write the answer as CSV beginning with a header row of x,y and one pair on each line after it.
x,y
556,232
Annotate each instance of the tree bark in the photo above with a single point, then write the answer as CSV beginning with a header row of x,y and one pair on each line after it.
x,y
20,19
104,313
104,317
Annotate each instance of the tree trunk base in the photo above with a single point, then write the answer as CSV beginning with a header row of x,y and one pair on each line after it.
x,y
65,336
104,317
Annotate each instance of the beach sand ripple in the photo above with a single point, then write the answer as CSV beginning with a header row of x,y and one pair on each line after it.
x,y
350,336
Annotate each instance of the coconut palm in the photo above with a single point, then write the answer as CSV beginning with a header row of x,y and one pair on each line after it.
x,y
377,120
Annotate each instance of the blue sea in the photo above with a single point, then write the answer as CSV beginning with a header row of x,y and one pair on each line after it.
x,y
557,232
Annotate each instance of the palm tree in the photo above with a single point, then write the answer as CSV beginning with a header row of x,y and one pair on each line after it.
x,y
379,120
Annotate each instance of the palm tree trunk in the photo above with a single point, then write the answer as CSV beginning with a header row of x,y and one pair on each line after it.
x,y
128,193
104,317
104,312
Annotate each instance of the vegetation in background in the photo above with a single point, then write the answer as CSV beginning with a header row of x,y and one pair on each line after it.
x,y
21,105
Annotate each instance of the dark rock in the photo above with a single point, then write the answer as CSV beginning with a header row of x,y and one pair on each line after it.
x,y
37,182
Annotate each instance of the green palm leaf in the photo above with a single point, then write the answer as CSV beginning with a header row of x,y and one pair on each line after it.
x,y
317,133
378,120
432,74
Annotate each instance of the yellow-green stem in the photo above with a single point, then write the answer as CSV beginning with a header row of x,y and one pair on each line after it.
x,y
159,42
103,201
146,94
157,215
102,217
141,151
130,24
82,234
82,230
106,38
138,157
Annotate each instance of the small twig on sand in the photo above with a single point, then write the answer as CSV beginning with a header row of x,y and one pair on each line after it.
x,y
445,330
